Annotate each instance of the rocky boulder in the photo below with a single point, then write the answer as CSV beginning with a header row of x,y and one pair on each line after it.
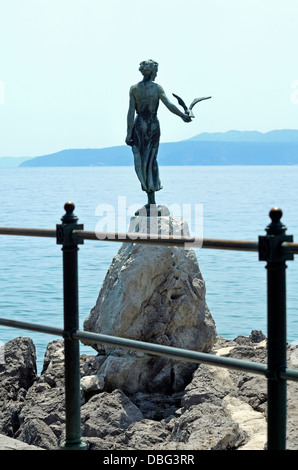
x,y
17,374
153,294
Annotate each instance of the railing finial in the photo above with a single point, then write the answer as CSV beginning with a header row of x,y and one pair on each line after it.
x,y
69,217
69,207
275,214
276,227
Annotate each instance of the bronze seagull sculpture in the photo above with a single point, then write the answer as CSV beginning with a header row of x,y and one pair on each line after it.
x,y
187,110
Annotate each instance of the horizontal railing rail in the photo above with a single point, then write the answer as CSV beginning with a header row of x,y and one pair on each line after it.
x,y
275,248
153,348
28,232
207,243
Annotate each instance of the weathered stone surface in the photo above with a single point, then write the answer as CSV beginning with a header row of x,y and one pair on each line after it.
x,y
17,374
7,443
153,294
209,384
145,435
108,414
42,416
18,370
158,406
45,399
207,427
91,385
37,433
219,409
292,401
251,423
133,372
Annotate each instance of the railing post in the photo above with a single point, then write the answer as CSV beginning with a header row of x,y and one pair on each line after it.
x,y
73,439
270,250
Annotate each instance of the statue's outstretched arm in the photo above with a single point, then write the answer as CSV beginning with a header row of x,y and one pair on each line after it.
x,y
171,106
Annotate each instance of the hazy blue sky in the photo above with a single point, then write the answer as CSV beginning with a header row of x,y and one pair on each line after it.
x,y
67,65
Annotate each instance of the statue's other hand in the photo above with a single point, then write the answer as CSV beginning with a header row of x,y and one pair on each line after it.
x,y
129,141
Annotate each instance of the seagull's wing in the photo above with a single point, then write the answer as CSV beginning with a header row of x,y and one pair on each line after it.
x,y
181,102
196,100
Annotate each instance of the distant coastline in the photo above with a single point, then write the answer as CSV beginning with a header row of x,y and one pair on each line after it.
x,y
277,147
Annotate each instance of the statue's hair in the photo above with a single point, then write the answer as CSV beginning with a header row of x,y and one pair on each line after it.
x,y
147,66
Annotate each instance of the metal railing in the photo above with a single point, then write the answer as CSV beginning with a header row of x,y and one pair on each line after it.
x,y
275,248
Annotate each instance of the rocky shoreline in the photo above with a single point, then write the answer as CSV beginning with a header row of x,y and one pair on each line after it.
x,y
218,409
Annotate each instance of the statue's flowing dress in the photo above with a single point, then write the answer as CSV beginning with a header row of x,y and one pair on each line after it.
x,y
146,135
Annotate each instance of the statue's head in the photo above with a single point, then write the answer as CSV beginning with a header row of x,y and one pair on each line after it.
x,y
148,68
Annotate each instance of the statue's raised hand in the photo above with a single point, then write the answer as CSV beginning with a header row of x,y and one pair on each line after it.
x,y
186,118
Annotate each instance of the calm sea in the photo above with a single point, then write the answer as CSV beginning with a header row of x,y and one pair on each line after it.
x,y
236,201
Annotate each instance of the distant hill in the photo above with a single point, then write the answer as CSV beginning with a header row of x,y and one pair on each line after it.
x,y
111,156
284,135
229,153
278,147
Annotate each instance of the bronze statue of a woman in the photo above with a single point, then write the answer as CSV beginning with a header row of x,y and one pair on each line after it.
x,y
143,132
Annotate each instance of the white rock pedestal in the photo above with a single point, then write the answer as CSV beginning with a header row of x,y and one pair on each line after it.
x,y
154,294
